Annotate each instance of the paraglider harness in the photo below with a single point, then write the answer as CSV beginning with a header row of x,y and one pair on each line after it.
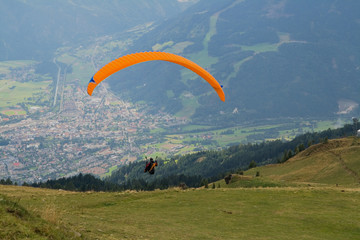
x,y
150,166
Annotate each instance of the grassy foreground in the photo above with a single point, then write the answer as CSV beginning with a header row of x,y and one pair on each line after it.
x,y
314,195
239,213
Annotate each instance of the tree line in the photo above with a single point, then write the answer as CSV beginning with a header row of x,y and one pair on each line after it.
x,y
214,165
196,169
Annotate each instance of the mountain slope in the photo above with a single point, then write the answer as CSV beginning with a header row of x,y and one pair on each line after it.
x,y
335,162
17,222
274,58
35,29
220,213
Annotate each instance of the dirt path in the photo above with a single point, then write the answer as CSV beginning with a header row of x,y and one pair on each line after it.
x,y
345,167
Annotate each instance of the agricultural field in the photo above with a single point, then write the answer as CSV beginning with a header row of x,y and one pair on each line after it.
x,y
223,137
19,84
7,66
13,92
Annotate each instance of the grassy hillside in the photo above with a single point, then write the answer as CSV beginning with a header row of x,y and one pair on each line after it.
x,y
276,205
335,162
17,222
253,213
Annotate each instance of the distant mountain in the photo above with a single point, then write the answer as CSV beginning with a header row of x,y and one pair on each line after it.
x,y
275,58
35,29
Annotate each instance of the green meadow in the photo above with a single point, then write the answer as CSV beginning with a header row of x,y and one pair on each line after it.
x,y
6,66
234,135
336,162
13,93
262,47
220,213
314,195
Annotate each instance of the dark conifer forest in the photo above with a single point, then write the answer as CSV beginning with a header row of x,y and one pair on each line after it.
x,y
194,170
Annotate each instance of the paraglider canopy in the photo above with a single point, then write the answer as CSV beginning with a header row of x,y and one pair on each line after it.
x,y
135,58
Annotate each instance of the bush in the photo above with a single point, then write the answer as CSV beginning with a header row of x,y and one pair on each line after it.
x,y
252,164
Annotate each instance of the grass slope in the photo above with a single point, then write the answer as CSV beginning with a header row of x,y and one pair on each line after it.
x,y
16,222
251,213
272,206
335,162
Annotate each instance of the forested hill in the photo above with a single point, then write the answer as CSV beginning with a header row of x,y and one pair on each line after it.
x,y
195,170
35,29
274,58
213,165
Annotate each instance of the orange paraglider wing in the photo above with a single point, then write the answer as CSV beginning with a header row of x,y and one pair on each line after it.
x,y
135,58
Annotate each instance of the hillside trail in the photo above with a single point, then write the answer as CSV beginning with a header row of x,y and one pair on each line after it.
x,y
344,166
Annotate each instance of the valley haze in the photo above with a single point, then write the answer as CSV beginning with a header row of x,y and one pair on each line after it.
x,y
279,159
287,68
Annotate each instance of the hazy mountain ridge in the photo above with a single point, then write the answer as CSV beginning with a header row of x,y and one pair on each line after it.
x,y
35,29
274,58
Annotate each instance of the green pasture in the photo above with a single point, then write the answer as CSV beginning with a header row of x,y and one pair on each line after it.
x,y
237,213
110,170
240,133
109,46
13,93
249,181
159,47
203,58
17,222
79,60
178,48
187,75
81,73
157,130
190,104
350,157
340,166
195,127
323,125
6,66
261,47
13,112
67,59
212,30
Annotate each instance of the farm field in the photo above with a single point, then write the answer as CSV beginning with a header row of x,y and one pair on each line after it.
x,y
20,84
224,137
13,93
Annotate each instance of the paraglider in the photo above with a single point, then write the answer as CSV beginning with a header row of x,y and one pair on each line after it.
x,y
135,58
150,166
